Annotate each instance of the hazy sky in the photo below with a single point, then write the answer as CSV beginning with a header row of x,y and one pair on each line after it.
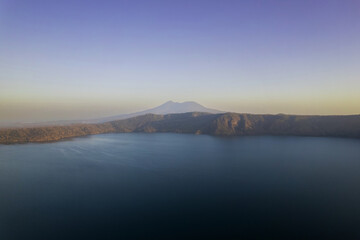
x,y
78,59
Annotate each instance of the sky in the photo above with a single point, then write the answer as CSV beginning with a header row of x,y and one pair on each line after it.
x,y
62,60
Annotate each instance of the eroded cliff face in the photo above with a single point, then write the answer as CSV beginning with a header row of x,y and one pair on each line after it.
x,y
227,124
237,124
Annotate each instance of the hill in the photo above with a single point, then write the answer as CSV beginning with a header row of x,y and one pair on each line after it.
x,y
224,124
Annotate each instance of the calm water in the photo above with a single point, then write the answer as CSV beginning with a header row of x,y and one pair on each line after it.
x,y
152,186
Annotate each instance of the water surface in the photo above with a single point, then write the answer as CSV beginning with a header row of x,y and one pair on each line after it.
x,y
179,186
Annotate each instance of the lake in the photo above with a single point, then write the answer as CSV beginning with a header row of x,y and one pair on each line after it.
x,y
181,186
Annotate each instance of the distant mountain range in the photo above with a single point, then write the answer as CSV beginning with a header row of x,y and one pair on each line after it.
x,y
223,124
166,108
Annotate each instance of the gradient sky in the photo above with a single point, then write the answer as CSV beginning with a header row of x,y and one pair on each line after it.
x,y
81,59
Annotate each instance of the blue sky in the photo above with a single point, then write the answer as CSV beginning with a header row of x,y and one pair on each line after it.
x,y
79,59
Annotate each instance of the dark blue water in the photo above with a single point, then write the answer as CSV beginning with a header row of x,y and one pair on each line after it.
x,y
174,186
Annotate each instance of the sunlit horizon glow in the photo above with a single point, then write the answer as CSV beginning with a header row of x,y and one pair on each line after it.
x,y
64,60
